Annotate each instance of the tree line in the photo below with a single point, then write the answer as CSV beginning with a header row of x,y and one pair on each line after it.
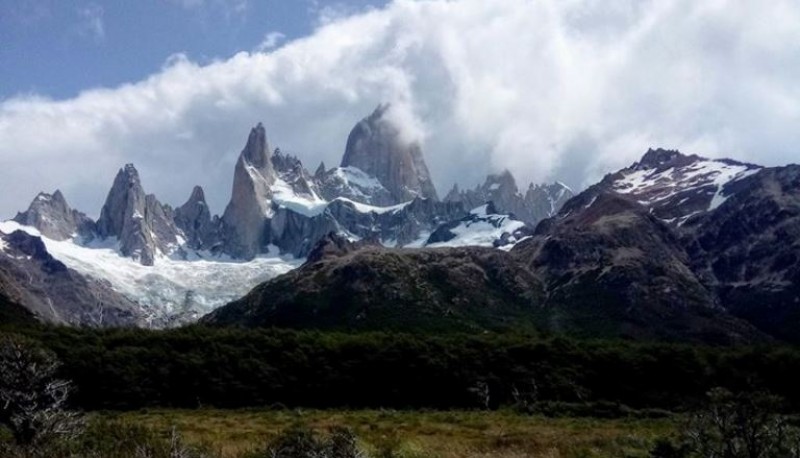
x,y
193,367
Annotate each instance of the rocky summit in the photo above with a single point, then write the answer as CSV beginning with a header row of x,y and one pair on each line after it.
x,y
179,263
378,147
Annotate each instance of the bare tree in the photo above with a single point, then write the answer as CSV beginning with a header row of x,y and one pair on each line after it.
x,y
741,426
32,400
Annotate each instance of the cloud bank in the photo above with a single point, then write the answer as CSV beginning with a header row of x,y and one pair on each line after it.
x,y
551,89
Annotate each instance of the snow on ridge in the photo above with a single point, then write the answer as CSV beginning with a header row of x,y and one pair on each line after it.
x,y
366,208
664,184
481,228
353,176
284,196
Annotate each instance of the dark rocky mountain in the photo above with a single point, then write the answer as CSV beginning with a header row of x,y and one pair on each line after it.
x,y
612,268
748,250
377,146
31,277
677,186
674,247
538,203
371,287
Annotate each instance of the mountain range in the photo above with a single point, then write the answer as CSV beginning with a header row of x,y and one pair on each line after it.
x,y
673,247
145,263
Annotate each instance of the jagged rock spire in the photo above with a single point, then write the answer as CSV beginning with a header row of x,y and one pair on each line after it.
x,y
245,218
143,226
52,216
194,219
377,147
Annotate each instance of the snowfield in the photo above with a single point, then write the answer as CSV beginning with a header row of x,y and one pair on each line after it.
x,y
481,229
172,287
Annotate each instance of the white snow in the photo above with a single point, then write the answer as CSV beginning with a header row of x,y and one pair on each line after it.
x,y
353,176
3,244
364,208
591,202
725,176
308,205
483,231
162,289
662,185
312,205
494,186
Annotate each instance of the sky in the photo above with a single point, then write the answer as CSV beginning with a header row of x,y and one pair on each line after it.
x,y
550,89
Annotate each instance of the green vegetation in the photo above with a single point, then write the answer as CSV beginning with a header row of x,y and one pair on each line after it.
x,y
197,367
232,393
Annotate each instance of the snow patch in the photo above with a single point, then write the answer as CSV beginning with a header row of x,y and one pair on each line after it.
x,y
308,205
365,208
353,176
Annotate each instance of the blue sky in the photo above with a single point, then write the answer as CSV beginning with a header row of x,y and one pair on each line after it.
x,y
58,48
563,90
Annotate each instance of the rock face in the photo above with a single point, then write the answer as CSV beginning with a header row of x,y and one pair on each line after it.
x,y
613,268
142,225
194,219
244,223
538,203
377,147
31,277
52,216
748,250
354,184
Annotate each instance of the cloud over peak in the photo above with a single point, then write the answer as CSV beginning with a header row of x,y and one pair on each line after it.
x,y
550,89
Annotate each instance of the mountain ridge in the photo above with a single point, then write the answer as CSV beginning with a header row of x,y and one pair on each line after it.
x,y
276,214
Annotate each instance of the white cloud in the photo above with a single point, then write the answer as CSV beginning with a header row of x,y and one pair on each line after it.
x,y
270,41
553,89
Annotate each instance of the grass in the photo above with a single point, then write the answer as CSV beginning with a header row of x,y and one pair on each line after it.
x,y
502,434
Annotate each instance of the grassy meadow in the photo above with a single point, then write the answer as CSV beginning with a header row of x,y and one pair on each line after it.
x,y
449,434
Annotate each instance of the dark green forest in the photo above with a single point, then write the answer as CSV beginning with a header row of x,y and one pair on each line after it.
x,y
123,369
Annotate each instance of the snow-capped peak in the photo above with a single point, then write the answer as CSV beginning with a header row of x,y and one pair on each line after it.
x,y
676,186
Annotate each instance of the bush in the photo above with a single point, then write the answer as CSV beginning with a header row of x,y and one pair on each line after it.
x,y
301,442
